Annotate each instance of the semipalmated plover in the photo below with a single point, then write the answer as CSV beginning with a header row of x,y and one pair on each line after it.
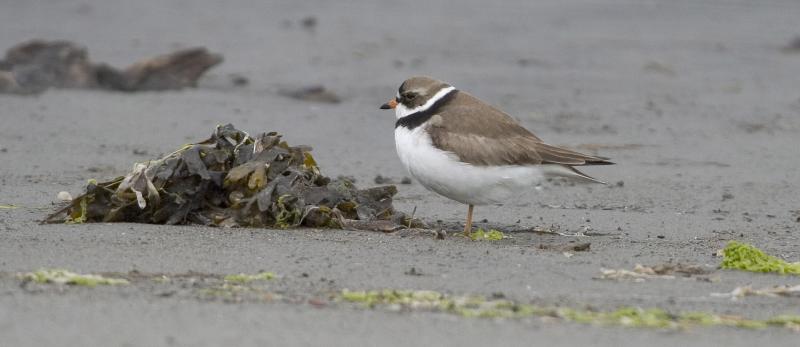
x,y
470,152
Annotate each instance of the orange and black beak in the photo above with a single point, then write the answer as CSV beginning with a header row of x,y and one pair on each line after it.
x,y
389,105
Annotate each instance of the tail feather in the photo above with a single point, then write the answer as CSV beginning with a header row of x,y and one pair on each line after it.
x,y
571,172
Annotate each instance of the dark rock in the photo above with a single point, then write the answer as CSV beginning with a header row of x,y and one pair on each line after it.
x,y
309,22
315,93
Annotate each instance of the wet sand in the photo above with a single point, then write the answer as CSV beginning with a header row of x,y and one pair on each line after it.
x,y
696,103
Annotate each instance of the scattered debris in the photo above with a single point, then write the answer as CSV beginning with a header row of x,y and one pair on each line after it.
x,y
413,272
641,273
526,62
383,180
741,256
379,179
318,303
43,276
232,292
684,270
601,207
309,22
659,68
34,66
230,180
555,230
793,46
569,247
727,196
386,226
239,80
481,307
64,196
491,235
246,278
315,93
776,291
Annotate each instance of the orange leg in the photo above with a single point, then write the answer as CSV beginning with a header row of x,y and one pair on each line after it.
x,y
468,226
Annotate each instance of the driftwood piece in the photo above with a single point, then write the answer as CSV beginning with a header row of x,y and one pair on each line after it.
x,y
34,66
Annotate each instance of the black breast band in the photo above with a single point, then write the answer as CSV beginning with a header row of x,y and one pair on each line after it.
x,y
417,118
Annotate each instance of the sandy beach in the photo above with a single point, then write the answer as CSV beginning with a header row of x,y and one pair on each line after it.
x,y
698,103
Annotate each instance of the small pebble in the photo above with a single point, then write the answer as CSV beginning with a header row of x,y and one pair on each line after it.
x,y
64,196
239,80
383,180
317,302
309,22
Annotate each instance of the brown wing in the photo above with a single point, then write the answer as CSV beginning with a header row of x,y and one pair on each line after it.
x,y
480,134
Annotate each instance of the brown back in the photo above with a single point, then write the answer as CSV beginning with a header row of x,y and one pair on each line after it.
x,y
483,135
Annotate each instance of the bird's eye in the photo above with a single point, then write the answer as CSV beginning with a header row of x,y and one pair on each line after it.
x,y
409,96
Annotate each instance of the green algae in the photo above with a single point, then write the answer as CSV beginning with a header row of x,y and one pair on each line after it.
x,y
710,319
58,276
481,307
287,215
491,235
80,216
247,278
741,256
226,291
238,287
8,207
162,279
787,320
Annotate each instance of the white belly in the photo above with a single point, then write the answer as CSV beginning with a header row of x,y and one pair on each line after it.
x,y
442,173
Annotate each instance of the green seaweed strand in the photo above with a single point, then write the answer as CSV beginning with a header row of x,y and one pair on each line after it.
x,y
741,256
481,307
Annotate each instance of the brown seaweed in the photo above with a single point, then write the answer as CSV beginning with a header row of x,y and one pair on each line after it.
x,y
233,179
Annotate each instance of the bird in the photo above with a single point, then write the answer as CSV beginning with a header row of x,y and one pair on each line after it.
x,y
466,150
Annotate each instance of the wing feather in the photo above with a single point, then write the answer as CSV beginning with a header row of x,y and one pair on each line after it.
x,y
480,134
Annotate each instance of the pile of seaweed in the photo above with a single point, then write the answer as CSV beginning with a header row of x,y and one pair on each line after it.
x,y
233,179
